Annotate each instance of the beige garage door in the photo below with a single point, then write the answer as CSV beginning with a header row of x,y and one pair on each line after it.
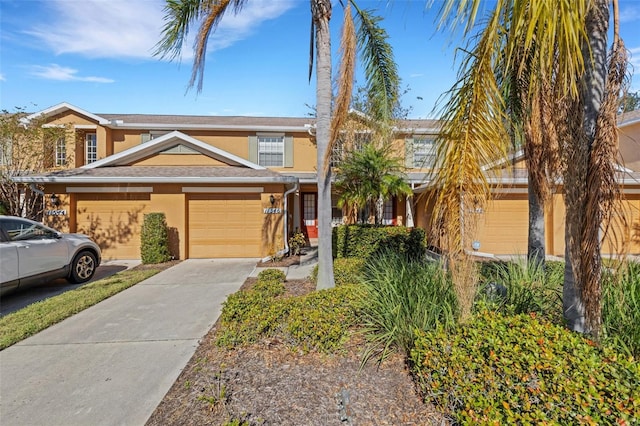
x,y
503,227
113,221
225,225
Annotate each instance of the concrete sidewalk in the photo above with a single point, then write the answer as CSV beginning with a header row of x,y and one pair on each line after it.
x,y
113,363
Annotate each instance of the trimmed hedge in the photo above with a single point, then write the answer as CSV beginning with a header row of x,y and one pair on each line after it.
x,y
347,270
320,320
154,239
517,369
362,241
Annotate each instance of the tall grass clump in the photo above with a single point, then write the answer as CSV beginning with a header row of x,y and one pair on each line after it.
x,y
621,308
519,287
403,295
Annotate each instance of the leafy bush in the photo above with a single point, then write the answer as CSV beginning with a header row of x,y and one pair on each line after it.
x,y
621,308
403,295
362,241
319,321
296,242
154,239
346,270
522,287
500,369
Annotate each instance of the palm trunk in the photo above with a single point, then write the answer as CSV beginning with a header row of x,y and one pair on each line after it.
x,y
321,10
536,249
581,294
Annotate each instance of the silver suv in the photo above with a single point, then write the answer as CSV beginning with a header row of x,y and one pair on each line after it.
x,y
31,254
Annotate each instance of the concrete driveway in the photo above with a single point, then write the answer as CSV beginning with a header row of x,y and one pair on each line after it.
x,y
113,363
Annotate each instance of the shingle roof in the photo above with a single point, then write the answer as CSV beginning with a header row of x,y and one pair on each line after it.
x,y
162,173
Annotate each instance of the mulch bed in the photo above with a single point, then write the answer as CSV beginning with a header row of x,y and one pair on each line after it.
x,y
269,384
284,262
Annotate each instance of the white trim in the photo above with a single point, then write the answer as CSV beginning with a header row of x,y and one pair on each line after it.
x,y
107,189
154,179
53,126
240,127
509,190
85,126
272,134
631,190
164,142
56,109
225,190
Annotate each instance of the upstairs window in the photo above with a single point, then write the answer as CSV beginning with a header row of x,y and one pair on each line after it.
x,y
271,151
90,148
146,137
341,148
423,152
61,152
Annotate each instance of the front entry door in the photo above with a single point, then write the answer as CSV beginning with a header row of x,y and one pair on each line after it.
x,y
310,214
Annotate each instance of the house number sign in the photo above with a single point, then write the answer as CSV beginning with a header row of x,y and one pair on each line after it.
x,y
56,212
272,210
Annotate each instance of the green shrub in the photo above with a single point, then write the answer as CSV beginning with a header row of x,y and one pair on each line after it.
x,y
621,308
403,295
154,239
346,270
362,241
522,287
500,369
319,321
322,319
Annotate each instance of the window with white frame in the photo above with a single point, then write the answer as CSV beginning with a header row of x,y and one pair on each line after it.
x,y
146,137
341,148
271,151
90,148
424,152
387,213
61,152
6,152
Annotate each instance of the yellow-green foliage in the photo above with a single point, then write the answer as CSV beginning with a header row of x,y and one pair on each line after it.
x,y
319,321
346,270
520,370
154,239
362,241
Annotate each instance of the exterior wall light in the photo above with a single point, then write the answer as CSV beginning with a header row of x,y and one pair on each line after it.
x,y
272,199
55,200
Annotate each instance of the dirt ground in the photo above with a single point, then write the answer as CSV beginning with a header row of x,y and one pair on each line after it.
x,y
269,384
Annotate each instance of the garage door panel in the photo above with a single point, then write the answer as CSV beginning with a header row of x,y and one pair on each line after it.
x,y
114,221
224,225
503,227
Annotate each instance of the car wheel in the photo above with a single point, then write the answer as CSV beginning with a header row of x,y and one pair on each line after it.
x,y
83,267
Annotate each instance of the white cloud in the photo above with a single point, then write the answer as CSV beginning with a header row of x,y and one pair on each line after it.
x,y
629,13
56,72
117,28
2,78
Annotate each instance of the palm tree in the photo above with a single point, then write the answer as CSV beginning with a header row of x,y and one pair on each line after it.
x,y
369,177
380,72
548,53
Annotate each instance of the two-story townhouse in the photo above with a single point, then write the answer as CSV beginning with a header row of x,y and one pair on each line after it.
x,y
238,186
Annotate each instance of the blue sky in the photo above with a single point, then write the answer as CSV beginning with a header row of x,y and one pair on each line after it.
x,y
97,55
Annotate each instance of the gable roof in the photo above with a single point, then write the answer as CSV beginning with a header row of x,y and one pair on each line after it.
x,y
64,106
168,141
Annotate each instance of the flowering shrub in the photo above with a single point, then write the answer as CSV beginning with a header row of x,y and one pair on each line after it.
x,y
500,369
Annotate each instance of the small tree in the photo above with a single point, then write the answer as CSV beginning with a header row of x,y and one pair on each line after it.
x,y
154,244
26,147
370,176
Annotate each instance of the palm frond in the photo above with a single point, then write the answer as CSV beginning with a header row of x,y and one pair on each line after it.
x,y
379,65
179,15
345,80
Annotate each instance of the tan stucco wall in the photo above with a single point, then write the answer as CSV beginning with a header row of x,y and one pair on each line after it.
x,y
165,198
629,138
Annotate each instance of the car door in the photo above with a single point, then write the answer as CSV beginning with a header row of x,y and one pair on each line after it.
x,y
39,249
8,264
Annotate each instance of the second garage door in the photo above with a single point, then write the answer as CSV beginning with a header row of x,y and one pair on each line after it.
x,y
225,225
504,226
